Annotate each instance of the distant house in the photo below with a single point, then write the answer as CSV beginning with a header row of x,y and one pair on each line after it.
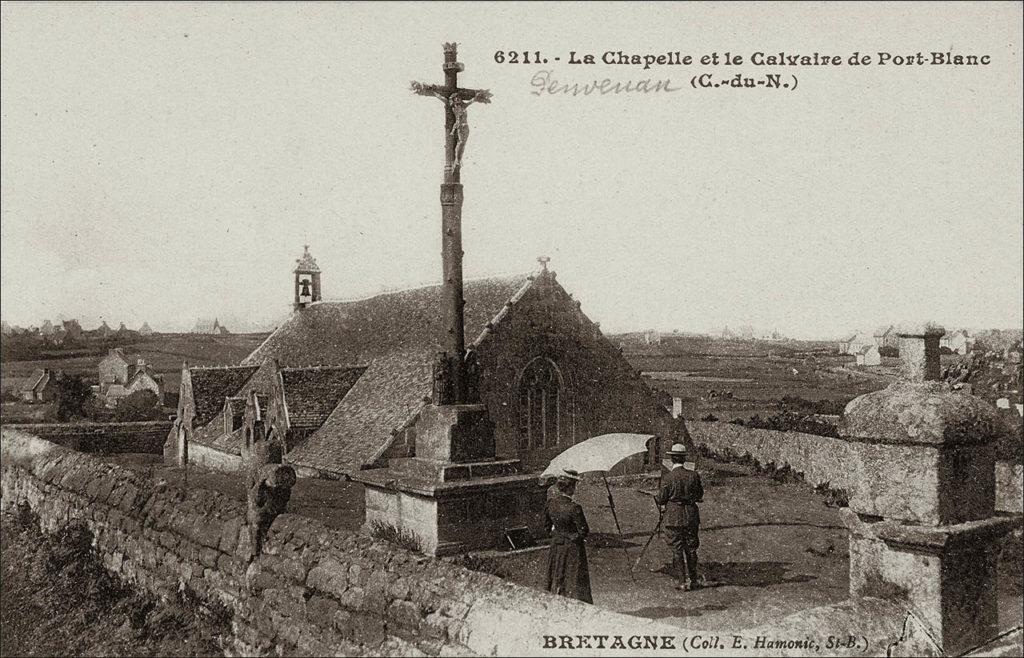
x,y
47,328
59,335
145,330
855,343
886,336
112,393
204,326
113,368
73,329
120,377
41,387
958,342
869,356
652,337
144,378
728,334
104,330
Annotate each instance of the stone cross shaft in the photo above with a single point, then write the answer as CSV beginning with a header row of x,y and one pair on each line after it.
x,y
455,99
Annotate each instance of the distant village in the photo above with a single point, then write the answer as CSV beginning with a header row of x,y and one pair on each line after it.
x,y
65,331
118,376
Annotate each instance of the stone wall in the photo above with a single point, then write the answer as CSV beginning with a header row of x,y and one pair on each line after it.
x,y
147,437
213,459
822,460
323,592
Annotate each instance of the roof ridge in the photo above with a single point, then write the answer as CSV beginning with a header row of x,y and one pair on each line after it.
x,y
238,367
503,311
324,367
423,286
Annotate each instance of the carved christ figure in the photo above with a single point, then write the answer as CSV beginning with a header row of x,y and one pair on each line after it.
x,y
459,108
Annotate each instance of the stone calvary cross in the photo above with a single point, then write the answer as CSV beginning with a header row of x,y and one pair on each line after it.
x,y
451,373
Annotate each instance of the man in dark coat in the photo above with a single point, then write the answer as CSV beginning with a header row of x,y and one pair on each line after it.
x,y
568,572
678,495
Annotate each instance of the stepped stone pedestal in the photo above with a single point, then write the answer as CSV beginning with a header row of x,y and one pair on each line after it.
x,y
922,521
454,495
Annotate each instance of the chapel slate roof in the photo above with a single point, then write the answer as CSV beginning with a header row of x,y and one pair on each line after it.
x,y
211,385
395,336
311,394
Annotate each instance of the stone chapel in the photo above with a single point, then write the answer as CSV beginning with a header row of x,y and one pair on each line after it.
x,y
339,385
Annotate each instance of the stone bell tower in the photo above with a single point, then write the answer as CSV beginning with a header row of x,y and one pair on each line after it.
x,y
307,280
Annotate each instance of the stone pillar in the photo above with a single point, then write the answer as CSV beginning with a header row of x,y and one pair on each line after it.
x,y
923,529
919,351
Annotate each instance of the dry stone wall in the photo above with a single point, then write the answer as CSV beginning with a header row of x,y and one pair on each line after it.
x,y
822,460
316,591
313,591
144,436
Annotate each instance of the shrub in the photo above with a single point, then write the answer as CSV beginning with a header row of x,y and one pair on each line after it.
x,y
402,537
786,421
140,405
72,395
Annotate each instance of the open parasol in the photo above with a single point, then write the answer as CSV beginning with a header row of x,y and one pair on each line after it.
x,y
601,454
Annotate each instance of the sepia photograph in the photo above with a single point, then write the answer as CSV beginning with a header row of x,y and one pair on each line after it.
x,y
511,329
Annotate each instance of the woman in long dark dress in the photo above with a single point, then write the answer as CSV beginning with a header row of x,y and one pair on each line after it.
x,y
568,573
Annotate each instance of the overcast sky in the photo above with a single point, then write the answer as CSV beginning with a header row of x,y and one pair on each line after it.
x,y
163,162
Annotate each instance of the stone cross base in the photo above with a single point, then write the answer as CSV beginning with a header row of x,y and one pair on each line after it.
x,y
454,496
454,517
455,433
944,573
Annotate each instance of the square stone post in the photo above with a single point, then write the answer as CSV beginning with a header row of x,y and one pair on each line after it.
x,y
919,351
923,528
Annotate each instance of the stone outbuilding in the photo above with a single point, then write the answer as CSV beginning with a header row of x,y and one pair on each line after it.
x,y
41,386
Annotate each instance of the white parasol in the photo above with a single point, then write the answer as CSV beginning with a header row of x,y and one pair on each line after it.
x,y
601,454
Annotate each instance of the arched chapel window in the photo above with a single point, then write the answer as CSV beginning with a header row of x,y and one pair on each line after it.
x,y
540,393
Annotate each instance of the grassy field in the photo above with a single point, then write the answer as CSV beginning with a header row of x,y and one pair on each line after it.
x,y
737,378
58,600
165,352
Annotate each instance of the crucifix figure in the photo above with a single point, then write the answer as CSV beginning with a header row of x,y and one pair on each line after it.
x,y
451,384
456,101
458,107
